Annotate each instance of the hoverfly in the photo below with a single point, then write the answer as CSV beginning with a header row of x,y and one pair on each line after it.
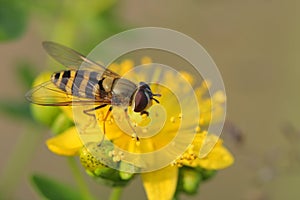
x,y
92,84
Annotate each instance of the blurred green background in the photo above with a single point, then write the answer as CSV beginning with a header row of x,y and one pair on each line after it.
x,y
255,44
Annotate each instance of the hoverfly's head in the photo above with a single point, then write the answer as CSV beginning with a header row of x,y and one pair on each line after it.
x,y
143,97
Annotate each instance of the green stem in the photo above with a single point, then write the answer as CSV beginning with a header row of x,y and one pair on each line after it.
x,y
79,179
116,193
14,169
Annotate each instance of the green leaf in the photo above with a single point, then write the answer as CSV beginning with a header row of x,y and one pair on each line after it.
x,y
53,189
13,18
61,123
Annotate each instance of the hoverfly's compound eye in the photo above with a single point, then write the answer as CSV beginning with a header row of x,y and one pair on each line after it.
x,y
141,101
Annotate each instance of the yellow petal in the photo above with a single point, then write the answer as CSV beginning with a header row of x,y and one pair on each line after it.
x,y
67,144
218,158
161,184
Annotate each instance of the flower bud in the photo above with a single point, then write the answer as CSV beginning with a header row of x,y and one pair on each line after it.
x,y
88,161
190,180
44,114
61,123
96,168
125,169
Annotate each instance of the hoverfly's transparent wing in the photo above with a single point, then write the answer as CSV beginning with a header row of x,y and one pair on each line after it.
x,y
48,94
74,60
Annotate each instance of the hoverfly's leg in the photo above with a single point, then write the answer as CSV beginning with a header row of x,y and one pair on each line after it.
x,y
87,112
90,113
134,135
104,120
145,112
107,114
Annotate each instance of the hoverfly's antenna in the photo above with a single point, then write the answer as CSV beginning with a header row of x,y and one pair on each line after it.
x,y
155,100
155,95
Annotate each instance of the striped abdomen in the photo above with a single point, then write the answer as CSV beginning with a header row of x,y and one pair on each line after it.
x,y
82,83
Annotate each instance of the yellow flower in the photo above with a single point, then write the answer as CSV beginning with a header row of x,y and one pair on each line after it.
x,y
161,183
218,158
66,144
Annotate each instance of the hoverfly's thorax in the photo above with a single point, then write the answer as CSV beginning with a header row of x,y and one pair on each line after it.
x,y
123,91
124,87
107,83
